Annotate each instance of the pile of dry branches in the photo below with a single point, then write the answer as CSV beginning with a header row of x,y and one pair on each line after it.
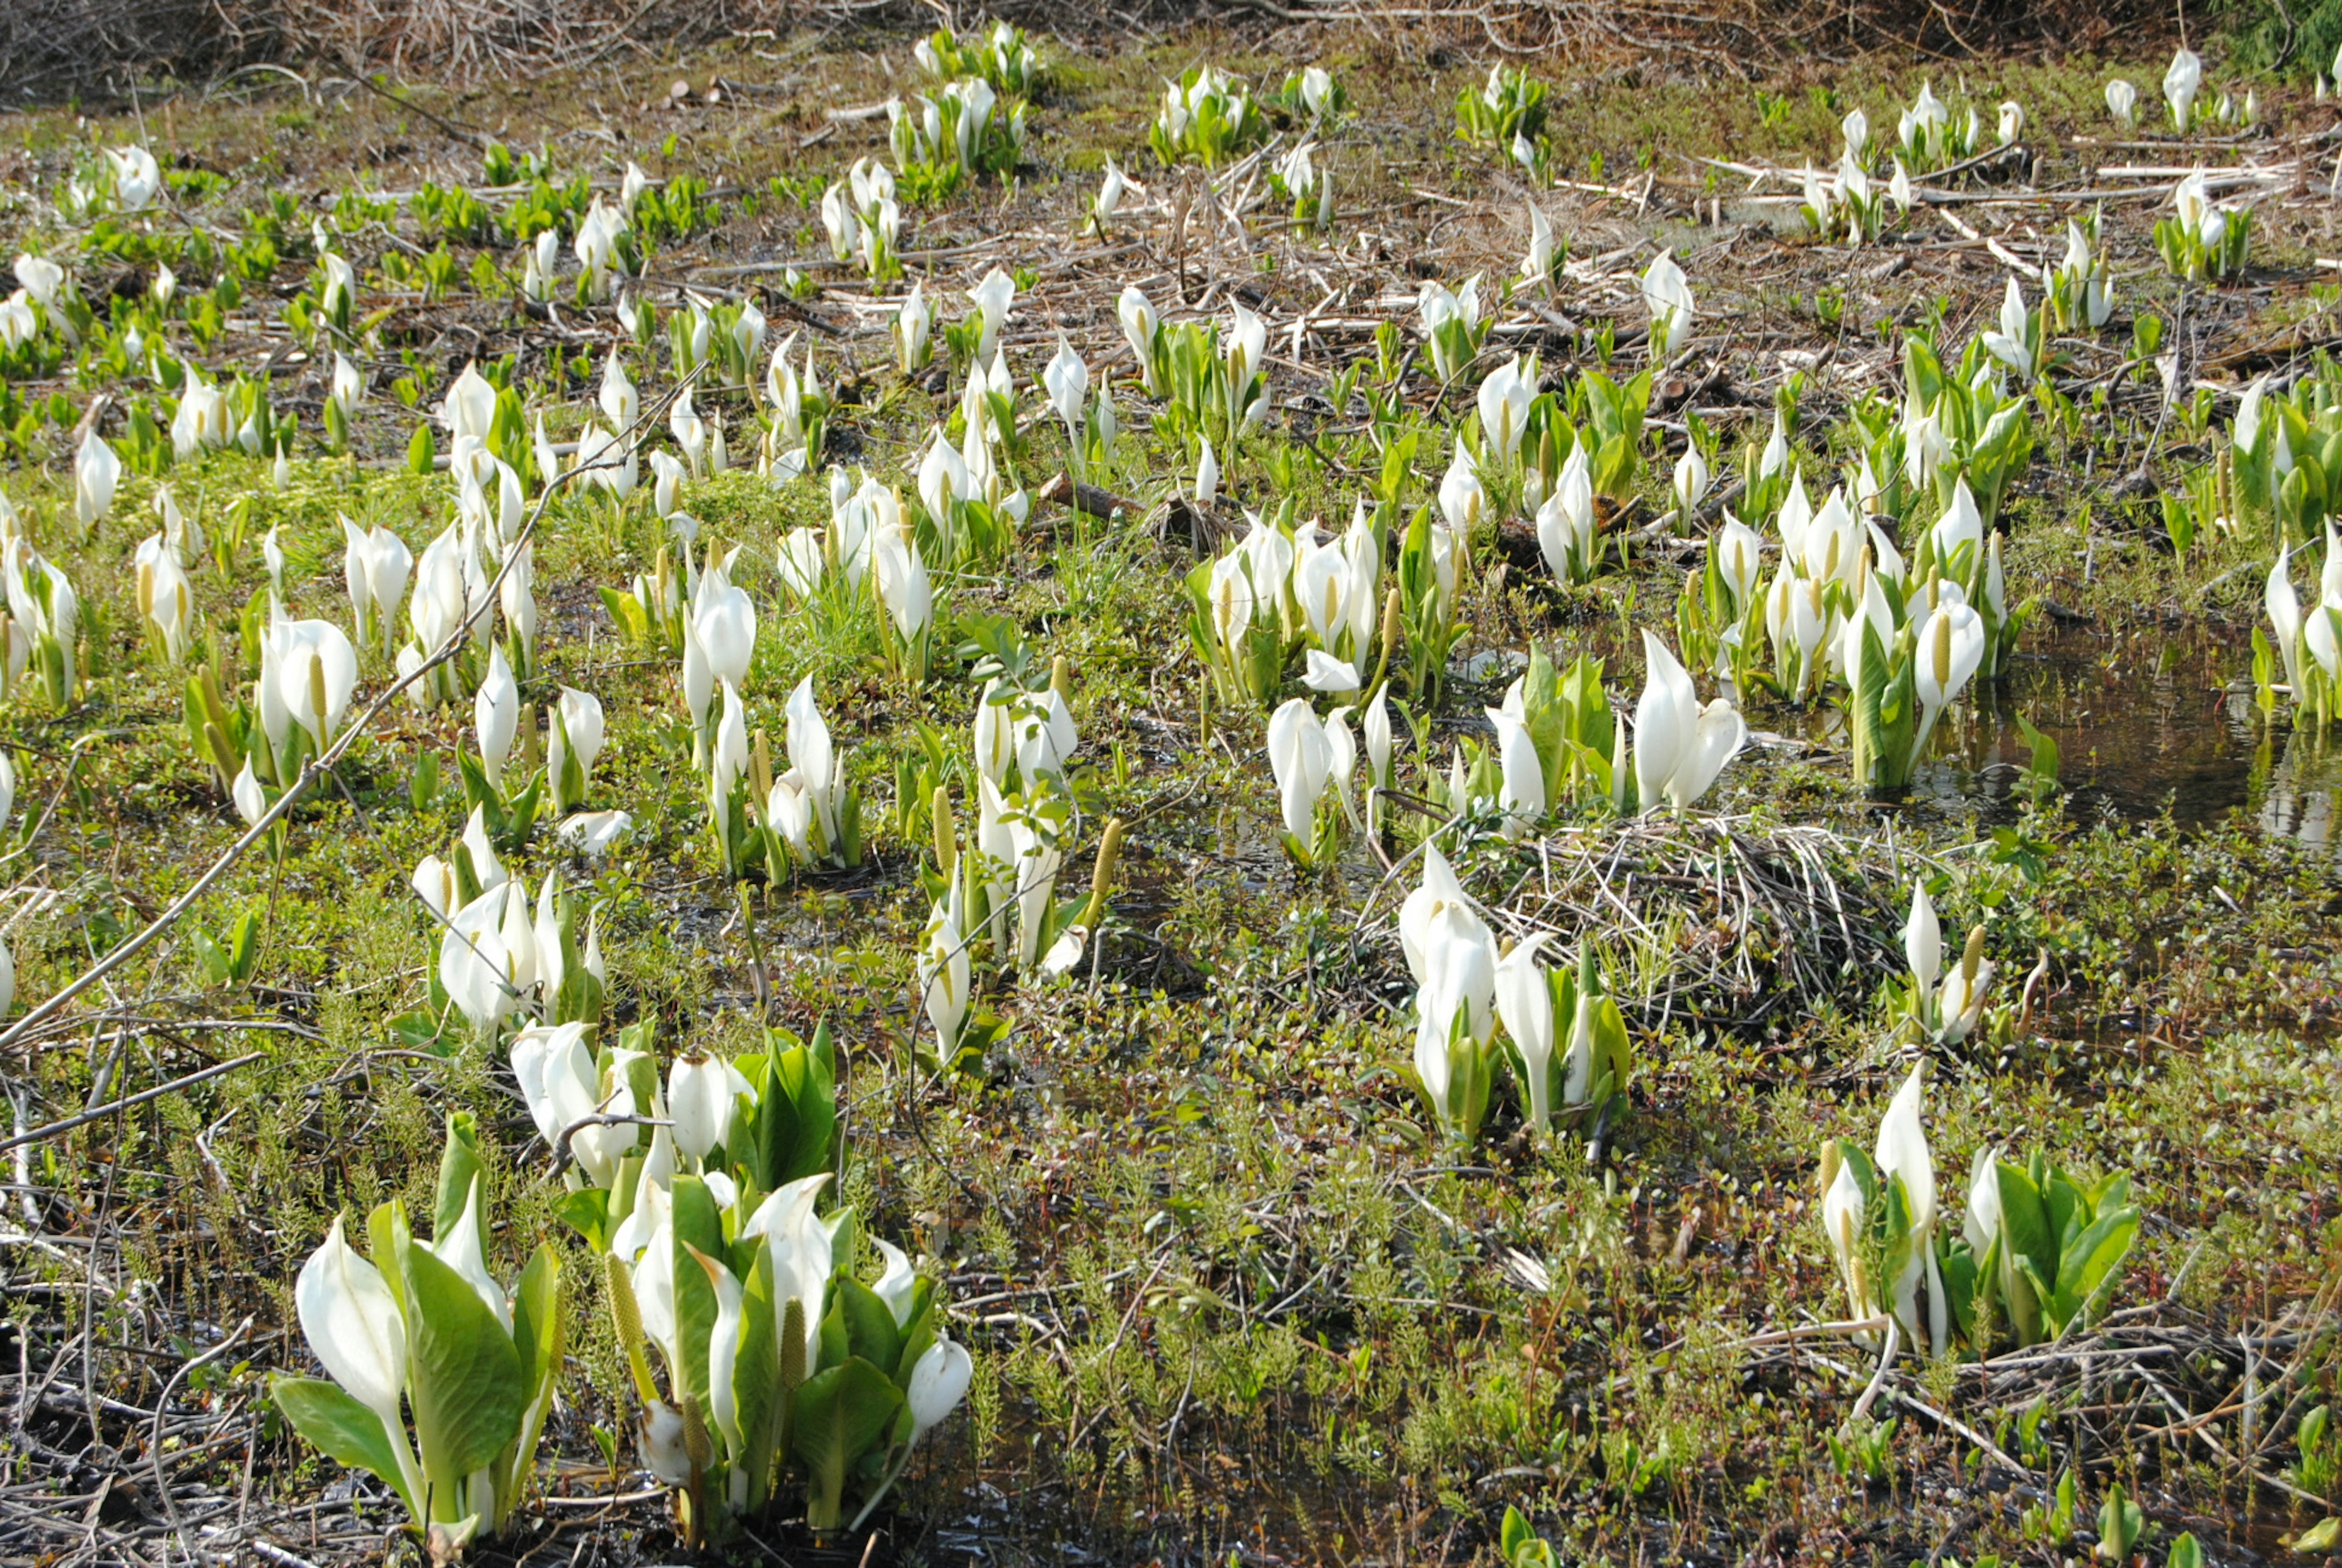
x,y
1726,923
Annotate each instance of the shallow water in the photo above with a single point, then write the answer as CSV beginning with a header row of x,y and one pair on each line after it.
x,y
2143,725
2145,722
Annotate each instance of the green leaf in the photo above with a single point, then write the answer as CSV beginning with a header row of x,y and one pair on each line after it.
x,y
2088,1271
342,1429
537,1341
1517,1533
2025,1220
243,946
918,1333
211,960
698,1223
809,1081
463,1376
1866,717
839,1416
459,1167
1614,1052
756,1379
2323,1536
1961,1275
586,1211
538,1330
870,1326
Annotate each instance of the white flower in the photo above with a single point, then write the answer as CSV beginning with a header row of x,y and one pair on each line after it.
x,y
1536,267
2181,83
1524,798
939,1381
1524,1004
1301,760
469,409
2012,343
354,1327
41,277
1067,381
375,565
1140,326
1566,523
495,716
96,472
1328,674
136,178
1667,295
1316,90
944,969
903,585
700,1102
1923,939
913,324
1690,481
991,297
307,671
1110,190
251,803
593,833
1506,394
340,290
349,388
1902,1151
1679,746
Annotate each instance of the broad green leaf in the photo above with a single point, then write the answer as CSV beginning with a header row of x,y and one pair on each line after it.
x,y
811,1090
697,1223
342,1429
1614,1051
537,1341
870,1326
2025,1220
463,1376
243,946
838,1414
587,1211
2068,1211
1548,720
837,1341
210,958
386,1238
919,1332
756,1379
538,1332
459,1165
2093,1262
1866,718
1961,1276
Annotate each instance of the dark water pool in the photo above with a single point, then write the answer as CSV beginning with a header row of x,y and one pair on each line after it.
x,y
2144,723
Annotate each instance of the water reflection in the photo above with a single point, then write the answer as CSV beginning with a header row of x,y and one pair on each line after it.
x,y
2145,720
2142,724
2297,795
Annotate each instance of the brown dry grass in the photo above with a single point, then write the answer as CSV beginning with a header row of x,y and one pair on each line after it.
x,y
50,48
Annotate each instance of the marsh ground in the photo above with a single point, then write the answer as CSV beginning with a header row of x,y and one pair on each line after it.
x,y
1230,1297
